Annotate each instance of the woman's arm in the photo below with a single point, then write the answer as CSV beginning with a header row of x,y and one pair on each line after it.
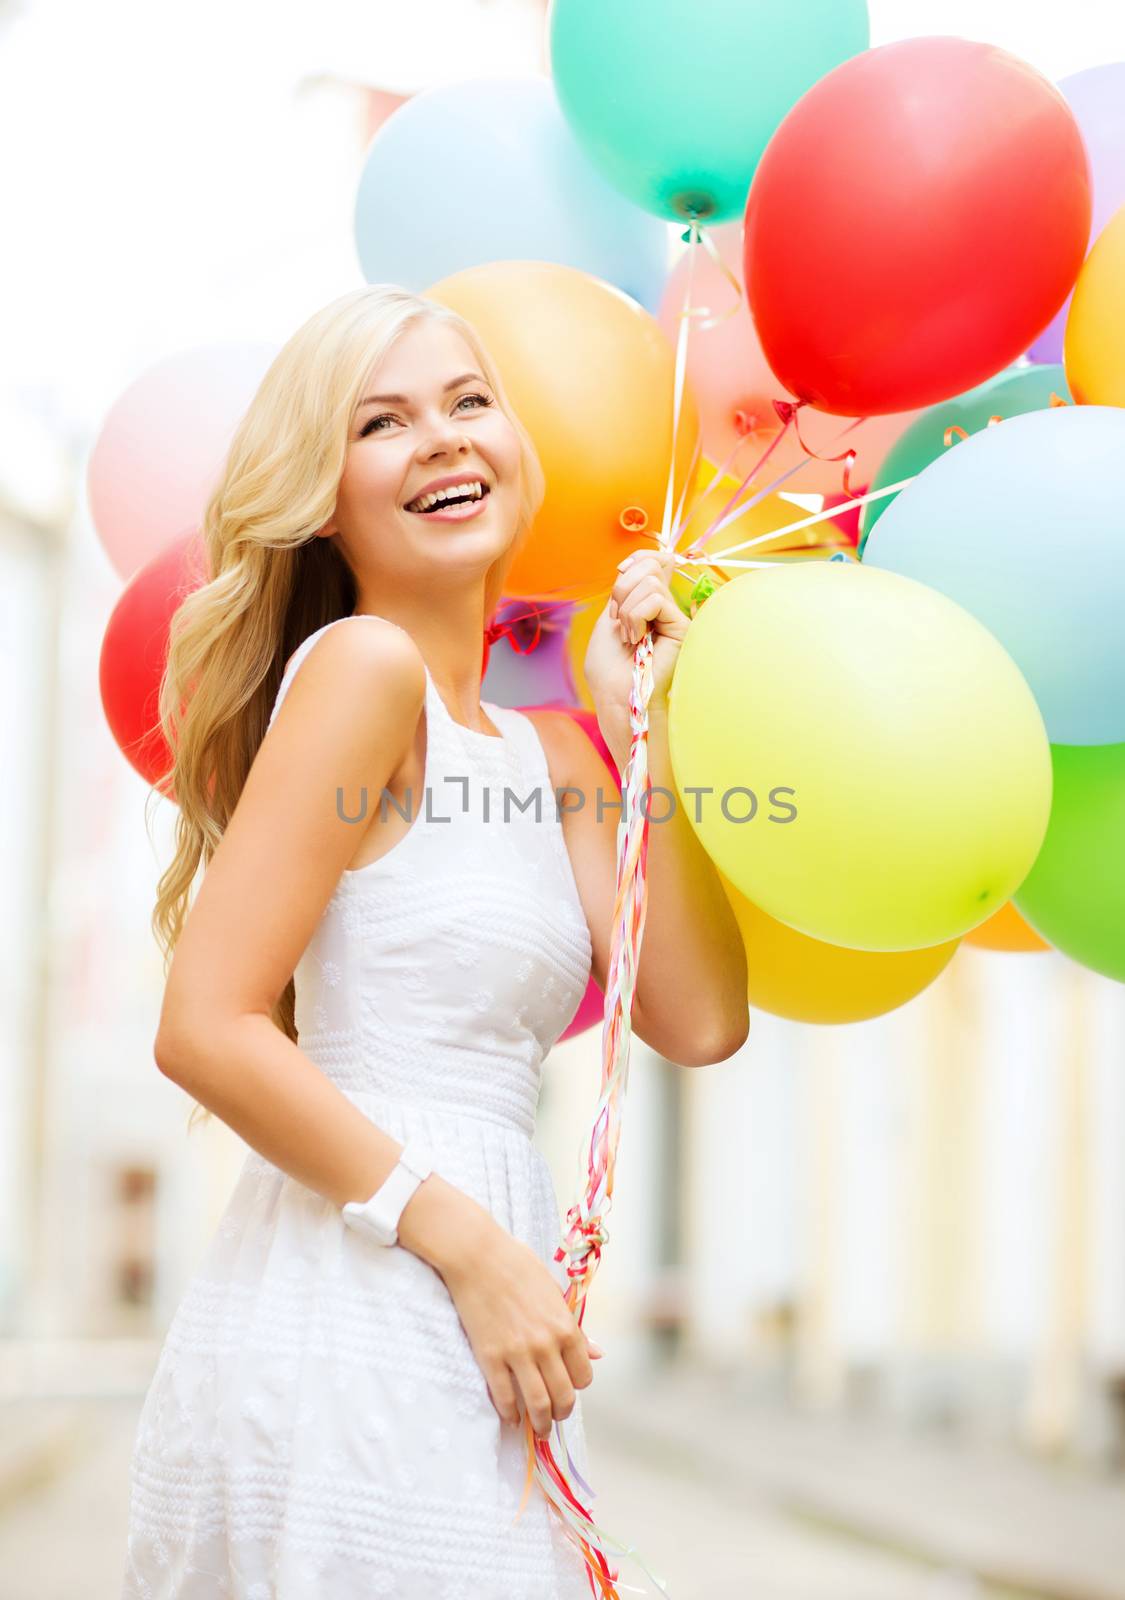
x,y
348,720
690,1002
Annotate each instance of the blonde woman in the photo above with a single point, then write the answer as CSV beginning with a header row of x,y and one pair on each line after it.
x,y
365,989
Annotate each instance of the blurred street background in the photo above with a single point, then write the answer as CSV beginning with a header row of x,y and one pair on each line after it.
x,y
863,1303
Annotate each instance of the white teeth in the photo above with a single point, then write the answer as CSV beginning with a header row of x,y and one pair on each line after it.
x,y
423,502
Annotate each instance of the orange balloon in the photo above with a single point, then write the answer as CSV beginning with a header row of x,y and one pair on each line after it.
x,y
806,980
1006,929
591,376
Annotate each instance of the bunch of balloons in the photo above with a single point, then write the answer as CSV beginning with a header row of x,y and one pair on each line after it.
x,y
945,309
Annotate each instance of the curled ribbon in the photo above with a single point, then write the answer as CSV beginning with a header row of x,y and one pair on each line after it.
x,y
955,427
525,629
788,410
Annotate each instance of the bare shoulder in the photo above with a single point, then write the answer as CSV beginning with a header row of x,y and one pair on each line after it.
x,y
364,673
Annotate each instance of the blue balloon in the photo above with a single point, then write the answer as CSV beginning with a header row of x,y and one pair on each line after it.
x,y
1023,524
488,170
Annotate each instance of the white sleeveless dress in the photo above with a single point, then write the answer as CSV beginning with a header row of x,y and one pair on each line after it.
x,y
318,1424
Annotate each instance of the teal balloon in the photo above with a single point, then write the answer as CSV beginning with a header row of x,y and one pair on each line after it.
x,y
487,169
675,102
1023,524
1074,895
1009,394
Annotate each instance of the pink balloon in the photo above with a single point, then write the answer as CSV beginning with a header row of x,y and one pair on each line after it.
x,y
728,374
163,444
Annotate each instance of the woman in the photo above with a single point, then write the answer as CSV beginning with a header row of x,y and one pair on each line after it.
x,y
338,1406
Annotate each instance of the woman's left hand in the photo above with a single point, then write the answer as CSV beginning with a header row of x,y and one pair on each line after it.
x,y
640,598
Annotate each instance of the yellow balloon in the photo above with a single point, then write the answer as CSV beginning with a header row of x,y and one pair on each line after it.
x,y
578,640
806,980
1094,342
708,501
874,767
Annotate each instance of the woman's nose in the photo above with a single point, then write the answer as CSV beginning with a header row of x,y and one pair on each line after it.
x,y
448,437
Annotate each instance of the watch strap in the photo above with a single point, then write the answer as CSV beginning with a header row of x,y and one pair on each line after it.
x,y
379,1216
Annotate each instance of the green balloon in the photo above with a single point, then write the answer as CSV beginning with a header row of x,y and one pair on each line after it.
x,y
674,103
1074,895
1015,390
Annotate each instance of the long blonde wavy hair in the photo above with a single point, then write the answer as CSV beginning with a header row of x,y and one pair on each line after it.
x,y
271,580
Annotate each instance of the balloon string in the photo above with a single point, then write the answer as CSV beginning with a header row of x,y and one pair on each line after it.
x,y
831,511
723,556
582,1242
727,515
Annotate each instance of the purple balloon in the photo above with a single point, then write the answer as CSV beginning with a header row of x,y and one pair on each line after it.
x,y
1097,98
536,675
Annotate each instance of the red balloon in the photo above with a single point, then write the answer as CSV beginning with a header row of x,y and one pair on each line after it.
x,y
916,220
591,1008
135,649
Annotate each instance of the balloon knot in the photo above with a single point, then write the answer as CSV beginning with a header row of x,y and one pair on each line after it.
x,y
787,409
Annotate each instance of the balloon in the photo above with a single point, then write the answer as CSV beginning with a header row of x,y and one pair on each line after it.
x,y
578,640
591,1008
135,650
1006,930
734,387
1094,353
530,668
162,446
1096,96
1021,525
675,106
487,169
806,980
590,375
1074,894
848,520
875,771
1012,392
916,219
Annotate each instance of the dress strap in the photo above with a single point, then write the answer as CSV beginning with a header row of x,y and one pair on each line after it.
x,y
521,732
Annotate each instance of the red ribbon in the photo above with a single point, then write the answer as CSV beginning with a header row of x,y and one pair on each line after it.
x,y
523,632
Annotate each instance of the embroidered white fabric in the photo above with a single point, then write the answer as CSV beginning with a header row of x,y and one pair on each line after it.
x,y
317,1424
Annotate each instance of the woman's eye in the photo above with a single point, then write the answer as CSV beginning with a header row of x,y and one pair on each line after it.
x,y
371,426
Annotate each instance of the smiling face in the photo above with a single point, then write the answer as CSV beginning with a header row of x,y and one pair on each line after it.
x,y
426,414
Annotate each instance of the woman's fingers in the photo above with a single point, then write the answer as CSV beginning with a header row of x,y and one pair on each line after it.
x,y
536,1399
579,1353
559,1386
502,1390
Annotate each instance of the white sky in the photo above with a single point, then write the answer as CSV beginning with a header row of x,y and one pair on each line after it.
x,y
162,186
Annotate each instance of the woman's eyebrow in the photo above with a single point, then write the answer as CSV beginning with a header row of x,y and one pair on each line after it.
x,y
403,400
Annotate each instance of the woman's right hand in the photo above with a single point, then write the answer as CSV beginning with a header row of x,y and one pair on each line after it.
x,y
527,1341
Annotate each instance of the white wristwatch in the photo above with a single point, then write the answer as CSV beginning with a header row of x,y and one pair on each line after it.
x,y
379,1216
